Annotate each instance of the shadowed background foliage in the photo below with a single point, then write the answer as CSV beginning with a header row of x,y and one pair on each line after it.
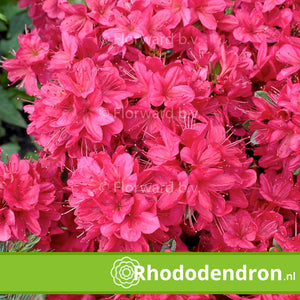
x,y
13,121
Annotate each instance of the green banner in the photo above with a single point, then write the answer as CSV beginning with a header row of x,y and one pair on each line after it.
x,y
150,273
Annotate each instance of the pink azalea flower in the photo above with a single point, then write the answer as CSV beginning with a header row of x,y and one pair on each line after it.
x,y
178,8
289,96
18,71
204,9
203,191
21,193
166,150
201,154
270,4
138,222
170,89
194,42
113,87
101,11
76,20
141,120
63,58
240,230
28,62
265,67
267,223
82,80
32,48
127,28
157,29
94,116
286,242
139,84
278,189
120,173
115,208
290,55
86,180
252,27
7,219
166,183
53,9
26,195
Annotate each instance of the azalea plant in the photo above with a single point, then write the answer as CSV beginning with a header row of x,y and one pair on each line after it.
x,y
163,125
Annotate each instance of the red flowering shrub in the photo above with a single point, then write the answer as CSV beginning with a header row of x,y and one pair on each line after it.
x,y
170,120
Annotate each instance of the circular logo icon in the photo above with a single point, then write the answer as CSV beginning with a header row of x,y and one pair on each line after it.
x,y
123,272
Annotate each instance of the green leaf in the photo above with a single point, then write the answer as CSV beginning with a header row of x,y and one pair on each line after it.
x,y
8,9
3,79
22,297
8,112
77,2
16,96
217,69
213,73
3,247
188,211
297,171
18,22
252,139
170,244
16,26
7,45
32,156
3,18
275,247
9,149
168,52
3,27
246,124
266,97
229,11
210,72
19,246
18,104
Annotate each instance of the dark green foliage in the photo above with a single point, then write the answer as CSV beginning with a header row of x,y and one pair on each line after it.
x,y
18,246
21,297
12,120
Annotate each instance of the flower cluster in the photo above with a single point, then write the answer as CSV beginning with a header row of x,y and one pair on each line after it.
x,y
29,200
167,120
